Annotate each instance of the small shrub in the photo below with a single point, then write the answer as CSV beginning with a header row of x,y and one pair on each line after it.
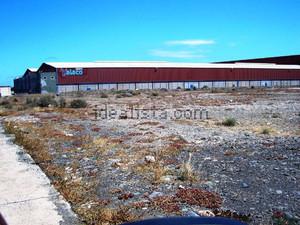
x,y
62,102
205,87
103,95
119,91
275,115
8,106
28,101
22,108
266,131
229,122
46,101
78,103
154,94
136,92
124,94
79,94
5,102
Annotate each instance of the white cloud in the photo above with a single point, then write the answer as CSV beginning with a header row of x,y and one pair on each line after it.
x,y
175,54
194,42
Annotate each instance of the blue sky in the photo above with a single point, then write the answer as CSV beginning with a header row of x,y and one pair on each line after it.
x,y
162,30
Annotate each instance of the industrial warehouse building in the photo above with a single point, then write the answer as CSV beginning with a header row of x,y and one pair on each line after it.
x,y
69,77
29,83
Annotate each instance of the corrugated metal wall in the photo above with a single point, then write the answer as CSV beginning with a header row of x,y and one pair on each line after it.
x,y
140,75
28,83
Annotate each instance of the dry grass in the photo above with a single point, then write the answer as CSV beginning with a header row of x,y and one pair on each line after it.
x,y
153,171
266,131
187,172
158,172
75,191
149,123
36,148
99,214
176,145
7,113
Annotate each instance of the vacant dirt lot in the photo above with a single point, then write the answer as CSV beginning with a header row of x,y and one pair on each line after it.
x,y
133,155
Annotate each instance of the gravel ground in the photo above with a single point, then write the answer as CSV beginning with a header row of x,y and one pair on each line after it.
x,y
253,166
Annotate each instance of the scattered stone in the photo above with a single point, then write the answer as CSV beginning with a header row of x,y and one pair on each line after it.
x,y
167,179
149,159
279,192
289,215
192,213
155,194
206,213
244,185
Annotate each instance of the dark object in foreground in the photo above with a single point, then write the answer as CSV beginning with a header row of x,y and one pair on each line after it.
x,y
187,221
2,221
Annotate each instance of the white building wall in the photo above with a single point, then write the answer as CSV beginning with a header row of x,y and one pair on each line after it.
x,y
5,91
276,83
176,85
107,86
219,84
143,85
128,86
66,88
123,86
266,83
160,85
191,85
132,86
231,84
244,84
255,83
285,83
294,83
88,87
205,84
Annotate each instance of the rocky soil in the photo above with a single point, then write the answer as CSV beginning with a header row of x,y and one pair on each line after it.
x,y
123,168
